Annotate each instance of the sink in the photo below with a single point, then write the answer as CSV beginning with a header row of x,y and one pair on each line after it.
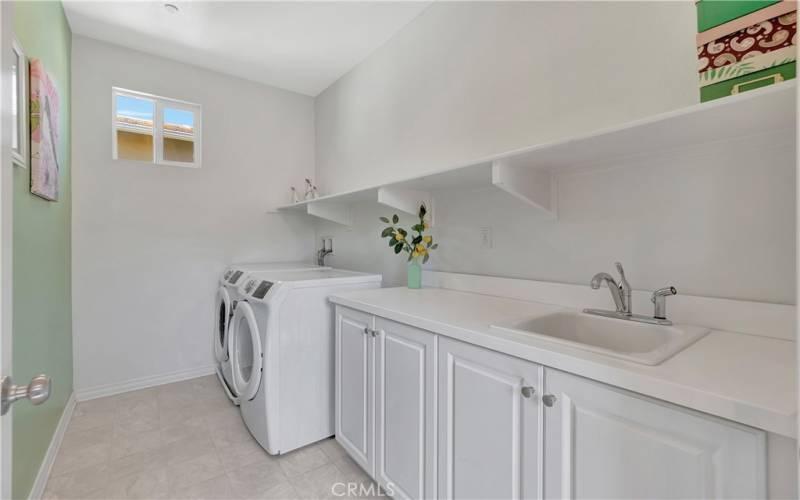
x,y
629,340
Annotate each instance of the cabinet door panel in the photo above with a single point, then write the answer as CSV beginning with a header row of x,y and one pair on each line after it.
x,y
488,432
404,428
603,442
354,385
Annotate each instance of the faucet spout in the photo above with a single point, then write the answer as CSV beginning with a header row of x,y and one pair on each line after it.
x,y
613,287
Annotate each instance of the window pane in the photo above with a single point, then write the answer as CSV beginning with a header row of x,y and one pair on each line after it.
x,y
15,131
134,128
178,135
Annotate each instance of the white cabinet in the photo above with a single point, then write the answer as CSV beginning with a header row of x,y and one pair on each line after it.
x,y
428,416
385,406
602,442
489,423
404,409
353,381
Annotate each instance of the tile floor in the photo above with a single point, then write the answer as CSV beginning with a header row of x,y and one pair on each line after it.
x,y
186,440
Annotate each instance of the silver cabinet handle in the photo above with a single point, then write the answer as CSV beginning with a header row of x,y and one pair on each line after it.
x,y
374,333
366,330
37,392
549,400
528,391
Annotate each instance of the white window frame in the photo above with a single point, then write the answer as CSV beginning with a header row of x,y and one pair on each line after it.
x,y
19,155
159,103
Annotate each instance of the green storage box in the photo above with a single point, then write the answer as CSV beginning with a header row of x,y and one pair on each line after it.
x,y
750,81
712,13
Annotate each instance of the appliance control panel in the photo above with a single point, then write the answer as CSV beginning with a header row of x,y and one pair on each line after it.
x,y
262,289
235,277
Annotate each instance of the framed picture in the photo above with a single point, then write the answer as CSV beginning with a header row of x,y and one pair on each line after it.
x,y
19,106
44,133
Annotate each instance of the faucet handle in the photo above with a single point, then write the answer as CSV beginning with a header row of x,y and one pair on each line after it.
x,y
620,270
659,299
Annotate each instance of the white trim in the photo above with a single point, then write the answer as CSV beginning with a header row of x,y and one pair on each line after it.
x,y
52,451
100,391
21,121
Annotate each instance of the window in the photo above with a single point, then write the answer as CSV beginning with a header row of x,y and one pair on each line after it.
x,y
19,105
155,129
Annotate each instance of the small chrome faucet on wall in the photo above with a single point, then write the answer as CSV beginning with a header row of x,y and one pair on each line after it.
x,y
327,249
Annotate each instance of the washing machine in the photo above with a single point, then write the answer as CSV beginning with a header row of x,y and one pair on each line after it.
x,y
224,304
281,351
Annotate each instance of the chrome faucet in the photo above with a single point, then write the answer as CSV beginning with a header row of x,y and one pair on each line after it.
x,y
327,249
621,294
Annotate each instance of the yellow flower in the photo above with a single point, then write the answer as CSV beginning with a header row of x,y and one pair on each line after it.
x,y
415,254
427,239
399,236
425,225
421,249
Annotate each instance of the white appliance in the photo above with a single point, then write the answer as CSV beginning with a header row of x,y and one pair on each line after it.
x,y
282,354
227,295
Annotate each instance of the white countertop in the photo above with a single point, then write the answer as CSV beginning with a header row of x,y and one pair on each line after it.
x,y
745,378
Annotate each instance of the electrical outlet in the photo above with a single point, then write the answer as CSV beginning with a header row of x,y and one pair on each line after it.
x,y
486,237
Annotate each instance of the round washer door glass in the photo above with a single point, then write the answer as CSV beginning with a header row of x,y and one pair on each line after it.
x,y
245,351
222,316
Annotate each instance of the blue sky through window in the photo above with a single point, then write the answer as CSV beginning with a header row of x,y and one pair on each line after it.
x,y
134,108
178,117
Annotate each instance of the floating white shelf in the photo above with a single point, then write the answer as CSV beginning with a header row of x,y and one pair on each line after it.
x,y
529,173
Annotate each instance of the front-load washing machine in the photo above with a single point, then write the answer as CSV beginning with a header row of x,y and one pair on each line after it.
x,y
282,354
227,295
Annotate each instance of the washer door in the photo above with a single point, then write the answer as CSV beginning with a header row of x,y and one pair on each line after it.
x,y
222,316
245,351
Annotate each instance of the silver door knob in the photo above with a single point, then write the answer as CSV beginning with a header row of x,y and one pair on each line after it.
x,y
37,392
528,391
549,400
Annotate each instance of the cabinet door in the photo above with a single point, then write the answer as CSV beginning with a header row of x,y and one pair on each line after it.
x,y
404,409
489,431
354,367
603,442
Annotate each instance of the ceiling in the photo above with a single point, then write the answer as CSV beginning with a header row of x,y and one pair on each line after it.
x,y
298,46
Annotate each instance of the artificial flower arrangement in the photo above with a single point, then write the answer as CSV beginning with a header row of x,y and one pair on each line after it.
x,y
418,247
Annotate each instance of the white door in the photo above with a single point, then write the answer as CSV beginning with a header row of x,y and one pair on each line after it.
x,y
6,183
245,353
354,368
603,442
404,409
489,424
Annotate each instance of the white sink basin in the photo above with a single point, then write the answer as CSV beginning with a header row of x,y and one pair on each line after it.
x,y
630,340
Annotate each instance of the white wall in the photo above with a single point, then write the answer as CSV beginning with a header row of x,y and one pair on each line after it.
x,y
465,81
149,242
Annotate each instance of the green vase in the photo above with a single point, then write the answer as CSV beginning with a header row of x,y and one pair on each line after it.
x,y
414,274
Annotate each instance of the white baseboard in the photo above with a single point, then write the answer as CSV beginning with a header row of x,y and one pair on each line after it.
x,y
101,391
52,451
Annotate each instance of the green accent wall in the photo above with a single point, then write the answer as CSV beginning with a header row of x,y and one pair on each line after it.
x,y
42,339
711,13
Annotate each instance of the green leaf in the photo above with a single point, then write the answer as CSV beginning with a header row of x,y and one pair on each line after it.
x,y
387,232
392,242
398,248
425,259
422,211
402,231
395,218
418,228
417,240
434,246
409,257
385,220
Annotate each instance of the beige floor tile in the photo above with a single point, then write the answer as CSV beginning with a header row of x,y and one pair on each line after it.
x,y
187,449
127,425
303,460
216,488
194,471
91,421
145,485
239,455
75,439
232,433
95,406
349,467
323,482
70,459
194,427
332,449
127,444
77,484
255,480
138,463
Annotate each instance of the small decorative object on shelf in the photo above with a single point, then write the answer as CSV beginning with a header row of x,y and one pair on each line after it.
x,y
314,192
295,199
418,247
309,190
